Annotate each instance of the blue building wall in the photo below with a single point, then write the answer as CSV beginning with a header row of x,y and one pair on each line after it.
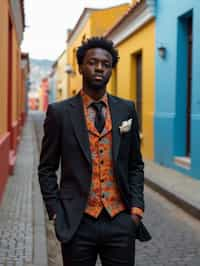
x,y
171,84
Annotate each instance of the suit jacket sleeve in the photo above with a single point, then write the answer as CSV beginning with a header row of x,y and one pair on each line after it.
x,y
136,165
49,161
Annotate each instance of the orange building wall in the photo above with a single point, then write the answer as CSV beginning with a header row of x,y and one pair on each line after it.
x,y
3,66
10,107
4,134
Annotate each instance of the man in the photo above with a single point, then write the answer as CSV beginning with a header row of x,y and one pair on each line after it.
x,y
98,205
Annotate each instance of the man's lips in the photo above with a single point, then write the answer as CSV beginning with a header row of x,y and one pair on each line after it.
x,y
98,78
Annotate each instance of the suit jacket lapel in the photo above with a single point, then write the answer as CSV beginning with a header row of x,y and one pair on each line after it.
x,y
116,120
79,124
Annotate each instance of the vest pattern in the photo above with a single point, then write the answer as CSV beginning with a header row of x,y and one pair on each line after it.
x,y
104,192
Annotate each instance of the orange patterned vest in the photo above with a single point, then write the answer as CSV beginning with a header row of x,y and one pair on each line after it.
x,y
104,192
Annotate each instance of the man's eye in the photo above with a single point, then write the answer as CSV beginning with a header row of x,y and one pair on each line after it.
x,y
91,62
107,65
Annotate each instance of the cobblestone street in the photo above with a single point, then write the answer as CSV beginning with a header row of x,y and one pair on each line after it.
x,y
176,235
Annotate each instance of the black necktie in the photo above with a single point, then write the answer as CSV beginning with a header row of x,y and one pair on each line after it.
x,y
99,118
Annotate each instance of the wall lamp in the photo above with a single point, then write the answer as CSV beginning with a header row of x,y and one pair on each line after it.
x,y
162,51
68,69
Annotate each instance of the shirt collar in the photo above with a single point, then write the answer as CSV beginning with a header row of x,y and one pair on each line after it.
x,y
87,100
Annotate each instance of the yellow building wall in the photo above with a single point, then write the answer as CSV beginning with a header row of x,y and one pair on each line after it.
x,y
134,1
102,20
112,86
142,40
93,27
14,80
75,79
61,78
40,107
3,66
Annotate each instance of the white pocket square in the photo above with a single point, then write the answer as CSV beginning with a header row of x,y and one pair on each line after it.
x,y
125,126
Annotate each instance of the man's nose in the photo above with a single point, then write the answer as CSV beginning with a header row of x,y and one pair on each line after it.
x,y
99,66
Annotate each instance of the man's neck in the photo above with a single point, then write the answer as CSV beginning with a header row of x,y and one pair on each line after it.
x,y
95,94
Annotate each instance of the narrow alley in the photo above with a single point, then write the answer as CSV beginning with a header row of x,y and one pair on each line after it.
x,y
119,80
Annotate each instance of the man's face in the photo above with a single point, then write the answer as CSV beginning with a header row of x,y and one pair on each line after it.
x,y
96,68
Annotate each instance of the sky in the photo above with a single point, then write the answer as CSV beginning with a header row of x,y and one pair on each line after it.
x,y
47,22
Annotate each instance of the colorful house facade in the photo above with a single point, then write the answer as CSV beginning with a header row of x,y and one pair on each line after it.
x,y
92,22
44,95
134,76
52,86
61,76
11,93
25,71
34,100
177,104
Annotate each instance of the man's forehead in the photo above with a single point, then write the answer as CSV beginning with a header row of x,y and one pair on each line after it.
x,y
98,52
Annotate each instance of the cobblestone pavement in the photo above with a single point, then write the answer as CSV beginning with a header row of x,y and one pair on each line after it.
x,y
16,227
176,235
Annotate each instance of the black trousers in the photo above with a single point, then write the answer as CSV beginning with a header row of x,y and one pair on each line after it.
x,y
113,239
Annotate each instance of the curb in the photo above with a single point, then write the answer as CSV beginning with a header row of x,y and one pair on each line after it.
x,y
176,199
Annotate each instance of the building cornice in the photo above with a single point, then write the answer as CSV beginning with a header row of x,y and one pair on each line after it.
x,y
17,14
140,14
83,20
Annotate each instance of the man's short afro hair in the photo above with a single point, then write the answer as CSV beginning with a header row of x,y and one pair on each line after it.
x,y
97,42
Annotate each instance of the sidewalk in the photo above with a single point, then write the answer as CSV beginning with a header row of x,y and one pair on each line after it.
x,y
22,222
182,190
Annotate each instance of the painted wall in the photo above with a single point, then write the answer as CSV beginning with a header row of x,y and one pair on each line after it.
x,y
52,88
141,41
108,17
170,85
44,94
4,134
61,77
3,66
11,92
25,69
74,79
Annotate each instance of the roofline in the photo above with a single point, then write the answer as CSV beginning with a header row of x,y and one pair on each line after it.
x,y
79,20
54,64
87,9
125,16
23,12
64,51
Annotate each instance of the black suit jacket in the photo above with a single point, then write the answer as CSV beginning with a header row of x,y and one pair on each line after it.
x,y
66,140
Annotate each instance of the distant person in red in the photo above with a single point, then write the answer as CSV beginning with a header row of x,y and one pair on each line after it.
x,y
99,204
